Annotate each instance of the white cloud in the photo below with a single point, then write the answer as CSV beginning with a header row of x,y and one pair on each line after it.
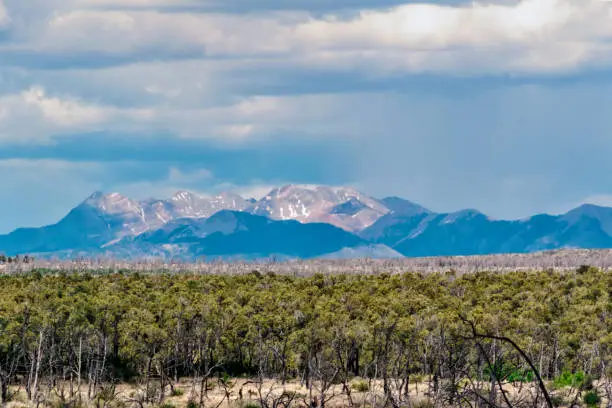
x,y
64,112
4,16
529,36
135,3
33,115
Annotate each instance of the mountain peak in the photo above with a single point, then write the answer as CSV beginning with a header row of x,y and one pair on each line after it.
x,y
111,220
603,215
589,208
111,203
344,207
95,196
184,195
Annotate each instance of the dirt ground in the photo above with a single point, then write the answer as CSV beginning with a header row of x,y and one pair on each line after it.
x,y
235,393
246,393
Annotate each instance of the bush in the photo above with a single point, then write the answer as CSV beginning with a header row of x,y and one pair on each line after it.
x,y
361,386
592,399
192,404
568,379
510,372
107,394
167,405
177,392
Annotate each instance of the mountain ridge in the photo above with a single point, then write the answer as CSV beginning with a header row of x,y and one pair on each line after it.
x,y
300,221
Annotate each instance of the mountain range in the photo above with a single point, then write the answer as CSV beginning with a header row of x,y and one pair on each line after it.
x,y
297,221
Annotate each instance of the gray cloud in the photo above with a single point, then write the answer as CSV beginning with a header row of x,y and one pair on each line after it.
x,y
469,107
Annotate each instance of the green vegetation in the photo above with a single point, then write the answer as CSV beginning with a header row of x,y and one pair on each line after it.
x,y
569,379
361,386
91,332
592,399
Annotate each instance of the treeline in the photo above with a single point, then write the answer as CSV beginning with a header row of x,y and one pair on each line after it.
x,y
17,259
558,260
69,337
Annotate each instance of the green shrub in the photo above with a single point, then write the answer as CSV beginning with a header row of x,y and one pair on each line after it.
x,y
361,386
166,405
568,379
510,372
177,392
192,404
592,399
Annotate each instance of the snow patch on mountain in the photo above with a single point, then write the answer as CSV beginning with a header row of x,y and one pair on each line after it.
x,y
343,207
130,218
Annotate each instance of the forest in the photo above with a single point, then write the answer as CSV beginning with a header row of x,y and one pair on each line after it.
x,y
262,339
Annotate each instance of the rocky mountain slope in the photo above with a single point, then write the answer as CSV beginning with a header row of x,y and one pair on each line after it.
x,y
470,232
299,221
238,235
343,207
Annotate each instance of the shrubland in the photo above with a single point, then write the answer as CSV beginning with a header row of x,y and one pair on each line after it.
x,y
271,340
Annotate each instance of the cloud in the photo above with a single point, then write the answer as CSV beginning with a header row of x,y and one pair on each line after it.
x,y
63,112
4,16
532,36
34,116
453,104
134,3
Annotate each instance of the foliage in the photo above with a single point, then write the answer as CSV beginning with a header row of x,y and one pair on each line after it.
x,y
361,386
192,404
569,379
509,372
592,399
325,329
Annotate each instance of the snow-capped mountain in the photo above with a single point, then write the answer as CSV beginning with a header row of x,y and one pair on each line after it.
x,y
298,221
123,216
185,204
127,218
343,207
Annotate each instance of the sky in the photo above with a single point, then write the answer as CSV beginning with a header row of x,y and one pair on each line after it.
x,y
504,106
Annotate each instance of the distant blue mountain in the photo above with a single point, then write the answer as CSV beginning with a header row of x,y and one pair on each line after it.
x,y
84,228
473,233
233,234
298,222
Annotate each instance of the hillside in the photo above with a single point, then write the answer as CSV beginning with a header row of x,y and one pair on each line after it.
x,y
298,222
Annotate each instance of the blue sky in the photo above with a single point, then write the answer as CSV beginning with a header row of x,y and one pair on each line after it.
x,y
504,106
